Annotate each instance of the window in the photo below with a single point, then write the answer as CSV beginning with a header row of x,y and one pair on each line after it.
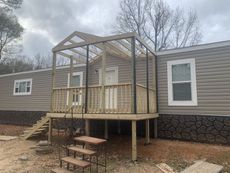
x,y
22,87
77,79
182,83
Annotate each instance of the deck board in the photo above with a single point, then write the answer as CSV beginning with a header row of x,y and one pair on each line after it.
x,y
135,117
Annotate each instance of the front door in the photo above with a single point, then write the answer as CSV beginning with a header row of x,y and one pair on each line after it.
x,y
111,78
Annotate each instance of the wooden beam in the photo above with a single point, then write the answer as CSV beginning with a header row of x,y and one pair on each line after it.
x,y
134,141
53,80
95,41
69,56
109,116
144,44
90,37
137,46
77,52
91,50
147,134
66,39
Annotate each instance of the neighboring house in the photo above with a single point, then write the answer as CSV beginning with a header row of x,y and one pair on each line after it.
x,y
193,89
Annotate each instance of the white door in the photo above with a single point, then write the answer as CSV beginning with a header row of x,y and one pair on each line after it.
x,y
111,78
77,79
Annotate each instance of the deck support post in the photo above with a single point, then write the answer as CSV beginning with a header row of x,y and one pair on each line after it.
x,y
119,127
134,140
50,131
87,127
155,128
147,134
106,135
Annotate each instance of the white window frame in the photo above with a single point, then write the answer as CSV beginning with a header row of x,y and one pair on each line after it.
x,y
68,85
22,93
193,101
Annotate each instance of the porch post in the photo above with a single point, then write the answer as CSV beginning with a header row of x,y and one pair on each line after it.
x,y
70,101
134,140
133,94
147,79
53,80
147,135
86,78
103,71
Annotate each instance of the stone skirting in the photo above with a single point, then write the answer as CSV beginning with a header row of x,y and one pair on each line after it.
x,y
209,129
20,117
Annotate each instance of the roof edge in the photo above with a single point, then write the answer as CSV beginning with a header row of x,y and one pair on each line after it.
x,y
194,48
39,70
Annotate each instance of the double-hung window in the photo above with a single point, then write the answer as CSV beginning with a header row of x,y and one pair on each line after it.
x,y
182,83
23,87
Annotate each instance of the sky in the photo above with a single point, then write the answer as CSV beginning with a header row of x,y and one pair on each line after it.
x,y
47,22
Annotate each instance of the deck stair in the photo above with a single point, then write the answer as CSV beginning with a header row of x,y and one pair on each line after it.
x,y
38,128
78,162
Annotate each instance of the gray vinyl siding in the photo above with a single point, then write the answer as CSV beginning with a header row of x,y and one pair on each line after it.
x,y
124,70
213,82
39,100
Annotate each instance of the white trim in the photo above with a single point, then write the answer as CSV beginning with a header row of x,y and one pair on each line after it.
x,y
40,70
193,102
194,48
68,85
22,93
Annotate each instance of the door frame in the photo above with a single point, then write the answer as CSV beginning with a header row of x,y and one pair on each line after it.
x,y
68,85
115,68
107,69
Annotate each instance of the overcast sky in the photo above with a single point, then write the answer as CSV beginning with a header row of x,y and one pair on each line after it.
x,y
47,22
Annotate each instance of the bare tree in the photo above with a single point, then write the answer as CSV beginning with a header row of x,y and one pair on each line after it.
x,y
132,16
158,24
10,29
12,65
42,61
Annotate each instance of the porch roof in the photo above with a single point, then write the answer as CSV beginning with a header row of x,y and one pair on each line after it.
x,y
75,46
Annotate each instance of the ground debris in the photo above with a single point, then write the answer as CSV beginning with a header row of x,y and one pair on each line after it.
x,y
23,158
165,168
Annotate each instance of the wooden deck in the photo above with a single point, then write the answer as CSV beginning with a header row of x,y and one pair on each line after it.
x,y
135,117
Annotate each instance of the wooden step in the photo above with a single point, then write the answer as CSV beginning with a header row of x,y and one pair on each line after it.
x,y
82,150
76,162
90,140
61,170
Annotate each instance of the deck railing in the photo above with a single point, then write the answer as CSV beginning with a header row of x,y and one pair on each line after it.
x,y
117,99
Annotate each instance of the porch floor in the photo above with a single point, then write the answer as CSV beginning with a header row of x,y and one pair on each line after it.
x,y
100,116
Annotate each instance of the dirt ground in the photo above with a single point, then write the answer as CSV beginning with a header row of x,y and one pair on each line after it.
x,y
177,154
